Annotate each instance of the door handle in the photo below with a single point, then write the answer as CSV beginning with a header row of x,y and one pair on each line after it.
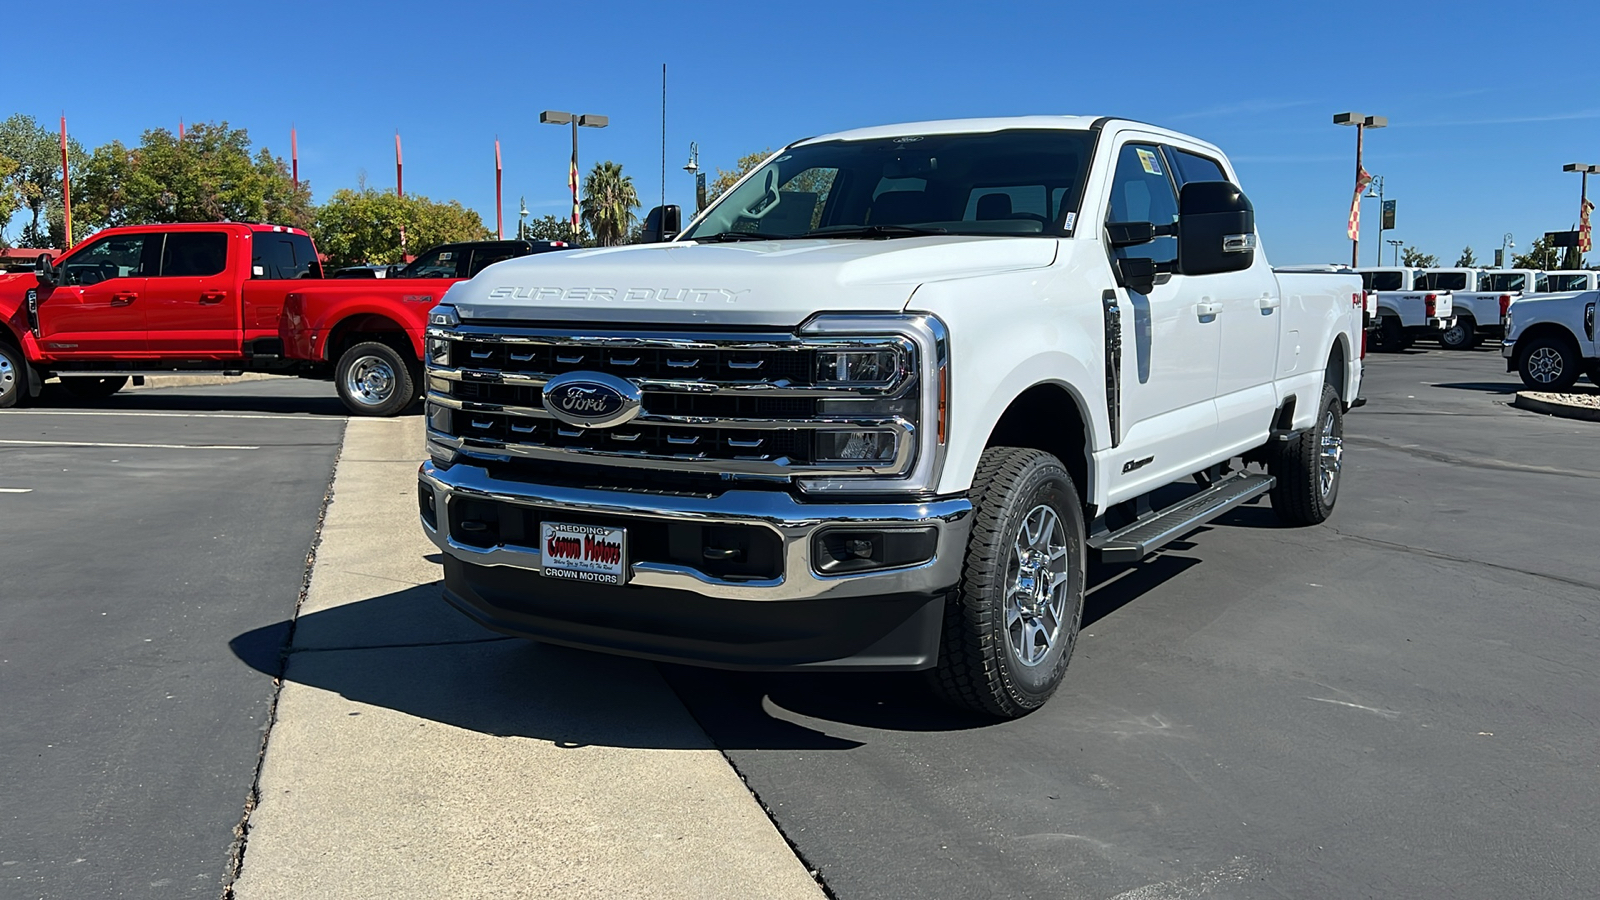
x,y
1207,308
123,299
211,298
1269,302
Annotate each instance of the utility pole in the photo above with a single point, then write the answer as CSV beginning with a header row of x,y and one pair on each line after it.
x,y
588,120
1353,227
1396,246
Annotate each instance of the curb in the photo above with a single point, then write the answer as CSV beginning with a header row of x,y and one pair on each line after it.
x,y
1528,402
157,382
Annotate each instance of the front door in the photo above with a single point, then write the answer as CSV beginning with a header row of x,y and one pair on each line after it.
x,y
193,299
97,308
1170,340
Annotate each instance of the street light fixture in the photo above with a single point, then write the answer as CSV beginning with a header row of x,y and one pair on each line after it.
x,y
1396,246
587,120
693,168
1361,123
1377,195
522,219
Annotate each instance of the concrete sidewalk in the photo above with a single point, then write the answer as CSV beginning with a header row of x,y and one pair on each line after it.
x,y
416,755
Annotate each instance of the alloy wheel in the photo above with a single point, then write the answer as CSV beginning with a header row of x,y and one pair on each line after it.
x,y
1036,586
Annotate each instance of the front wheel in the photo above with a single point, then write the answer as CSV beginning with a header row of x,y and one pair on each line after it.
x,y
1011,624
1307,467
375,380
1549,364
89,388
1459,336
13,376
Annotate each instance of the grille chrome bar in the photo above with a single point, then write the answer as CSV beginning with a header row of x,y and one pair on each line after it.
x,y
751,388
779,466
817,424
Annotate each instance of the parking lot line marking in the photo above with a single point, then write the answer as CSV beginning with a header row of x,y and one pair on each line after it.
x,y
16,490
169,415
135,446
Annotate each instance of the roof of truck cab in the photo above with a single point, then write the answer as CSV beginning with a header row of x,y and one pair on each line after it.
x,y
970,126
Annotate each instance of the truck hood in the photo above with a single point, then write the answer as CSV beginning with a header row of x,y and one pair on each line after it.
x,y
766,283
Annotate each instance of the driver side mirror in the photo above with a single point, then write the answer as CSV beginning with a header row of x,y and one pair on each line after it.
x,y
1216,228
662,224
45,270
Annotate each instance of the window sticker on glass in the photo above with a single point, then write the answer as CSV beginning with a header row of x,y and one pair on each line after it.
x,y
1072,219
448,255
1149,160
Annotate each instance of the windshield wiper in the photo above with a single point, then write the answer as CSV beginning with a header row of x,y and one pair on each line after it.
x,y
875,231
726,236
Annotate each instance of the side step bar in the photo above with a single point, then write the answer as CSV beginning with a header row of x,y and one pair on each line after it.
x,y
1134,542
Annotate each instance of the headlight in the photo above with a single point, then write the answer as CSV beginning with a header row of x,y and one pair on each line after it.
x,y
859,367
443,316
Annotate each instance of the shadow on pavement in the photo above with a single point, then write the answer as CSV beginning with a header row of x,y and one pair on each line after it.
x,y
410,652
1484,387
178,400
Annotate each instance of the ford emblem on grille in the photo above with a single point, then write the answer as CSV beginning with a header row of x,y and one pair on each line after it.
x,y
591,399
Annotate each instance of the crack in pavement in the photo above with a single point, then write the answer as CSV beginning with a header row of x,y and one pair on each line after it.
x,y
1434,554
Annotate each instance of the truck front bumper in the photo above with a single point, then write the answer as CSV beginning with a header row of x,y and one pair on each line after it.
x,y
781,610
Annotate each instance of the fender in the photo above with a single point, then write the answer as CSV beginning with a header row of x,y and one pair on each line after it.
x,y
320,322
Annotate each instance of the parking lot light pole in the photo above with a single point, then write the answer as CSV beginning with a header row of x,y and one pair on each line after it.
x,y
1378,195
1396,246
1584,243
1353,229
587,120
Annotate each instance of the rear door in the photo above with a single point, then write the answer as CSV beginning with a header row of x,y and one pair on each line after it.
x,y
193,297
1248,325
97,309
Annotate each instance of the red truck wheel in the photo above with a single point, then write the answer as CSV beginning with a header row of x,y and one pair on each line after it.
x,y
13,376
375,380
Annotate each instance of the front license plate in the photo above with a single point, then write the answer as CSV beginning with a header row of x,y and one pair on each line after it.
x,y
593,553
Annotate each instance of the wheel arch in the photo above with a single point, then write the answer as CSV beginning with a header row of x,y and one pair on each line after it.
x,y
1555,330
1338,368
1049,416
365,326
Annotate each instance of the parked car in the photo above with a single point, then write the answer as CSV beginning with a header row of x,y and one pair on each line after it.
x,y
879,404
1478,309
1550,339
1405,311
222,297
466,259
366,271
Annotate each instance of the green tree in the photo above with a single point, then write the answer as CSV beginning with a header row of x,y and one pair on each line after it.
x,y
30,179
1467,260
1414,258
727,178
1572,259
212,174
1540,256
369,226
609,200
550,228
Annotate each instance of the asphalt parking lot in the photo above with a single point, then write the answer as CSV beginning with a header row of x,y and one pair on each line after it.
x,y
1399,703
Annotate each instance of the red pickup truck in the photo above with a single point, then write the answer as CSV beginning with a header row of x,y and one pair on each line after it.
x,y
211,297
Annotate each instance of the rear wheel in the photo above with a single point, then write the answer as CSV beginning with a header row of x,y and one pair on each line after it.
x,y
1549,364
1390,336
1307,468
1011,624
92,388
374,379
13,376
1460,336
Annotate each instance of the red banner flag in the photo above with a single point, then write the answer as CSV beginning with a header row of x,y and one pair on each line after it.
x,y
1353,229
1584,242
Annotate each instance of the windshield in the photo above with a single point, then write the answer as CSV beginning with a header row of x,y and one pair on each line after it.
x,y
1508,281
440,262
1016,182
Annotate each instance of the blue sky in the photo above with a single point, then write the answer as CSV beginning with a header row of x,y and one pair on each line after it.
x,y
1480,122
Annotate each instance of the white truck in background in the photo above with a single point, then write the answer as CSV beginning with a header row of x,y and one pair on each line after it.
x,y
1563,281
878,406
1550,339
1406,313
1478,309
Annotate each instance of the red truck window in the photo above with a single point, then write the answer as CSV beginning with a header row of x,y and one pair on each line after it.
x,y
114,256
278,254
194,253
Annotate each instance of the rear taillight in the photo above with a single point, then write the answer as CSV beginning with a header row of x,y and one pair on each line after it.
x,y
1431,303
1505,304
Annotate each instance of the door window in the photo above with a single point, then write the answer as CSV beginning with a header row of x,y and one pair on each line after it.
x,y
279,254
1194,167
1382,281
194,254
116,256
1142,191
484,257
449,261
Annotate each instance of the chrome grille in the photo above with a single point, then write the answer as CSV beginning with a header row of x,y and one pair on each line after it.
x,y
734,404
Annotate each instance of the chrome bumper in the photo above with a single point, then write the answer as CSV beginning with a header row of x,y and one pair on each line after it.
x,y
795,523
1508,349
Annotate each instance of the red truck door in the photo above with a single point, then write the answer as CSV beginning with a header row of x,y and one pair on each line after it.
x,y
97,307
193,298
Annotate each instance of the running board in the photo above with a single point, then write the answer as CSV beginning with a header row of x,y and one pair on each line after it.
x,y
1134,542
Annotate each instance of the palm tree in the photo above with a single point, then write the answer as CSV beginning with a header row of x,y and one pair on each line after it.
x,y
608,203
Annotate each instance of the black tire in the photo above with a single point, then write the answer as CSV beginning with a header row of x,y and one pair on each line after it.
x,y
1548,363
1308,480
374,379
1592,370
1462,337
1390,336
93,387
13,376
979,666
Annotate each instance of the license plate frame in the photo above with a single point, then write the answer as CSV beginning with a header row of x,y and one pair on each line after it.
x,y
590,554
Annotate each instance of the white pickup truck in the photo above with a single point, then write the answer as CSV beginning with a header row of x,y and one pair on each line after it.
x,y
1550,339
1561,282
879,405
1478,308
1406,312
